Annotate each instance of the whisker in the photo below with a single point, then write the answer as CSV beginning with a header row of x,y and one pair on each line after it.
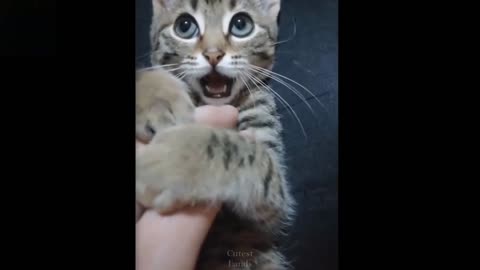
x,y
248,88
291,37
293,81
290,87
264,85
144,55
252,77
293,52
181,75
155,67
174,69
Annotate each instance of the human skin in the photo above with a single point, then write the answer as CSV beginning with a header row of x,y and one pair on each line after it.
x,y
173,241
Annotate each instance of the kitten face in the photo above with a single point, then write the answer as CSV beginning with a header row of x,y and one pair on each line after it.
x,y
212,44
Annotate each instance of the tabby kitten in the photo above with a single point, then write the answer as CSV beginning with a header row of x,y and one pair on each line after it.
x,y
215,52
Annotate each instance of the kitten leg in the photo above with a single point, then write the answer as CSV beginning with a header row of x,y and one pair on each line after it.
x,y
196,164
162,101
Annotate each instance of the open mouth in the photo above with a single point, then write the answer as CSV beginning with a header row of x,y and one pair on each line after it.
x,y
215,85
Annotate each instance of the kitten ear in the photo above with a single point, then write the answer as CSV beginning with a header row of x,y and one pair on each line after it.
x,y
159,5
272,7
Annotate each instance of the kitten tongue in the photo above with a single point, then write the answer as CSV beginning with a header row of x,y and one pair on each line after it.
x,y
216,83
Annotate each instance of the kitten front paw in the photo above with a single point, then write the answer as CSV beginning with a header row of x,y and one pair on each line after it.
x,y
165,202
175,170
162,101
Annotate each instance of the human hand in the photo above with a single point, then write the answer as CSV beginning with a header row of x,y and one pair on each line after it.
x,y
173,242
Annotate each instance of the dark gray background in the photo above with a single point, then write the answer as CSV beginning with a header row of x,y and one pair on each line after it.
x,y
311,59
27,28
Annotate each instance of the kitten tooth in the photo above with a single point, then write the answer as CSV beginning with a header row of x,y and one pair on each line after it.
x,y
224,90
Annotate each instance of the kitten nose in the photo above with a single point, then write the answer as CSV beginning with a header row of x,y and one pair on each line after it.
x,y
213,57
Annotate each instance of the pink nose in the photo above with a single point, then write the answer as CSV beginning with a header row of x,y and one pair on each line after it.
x,y
213,57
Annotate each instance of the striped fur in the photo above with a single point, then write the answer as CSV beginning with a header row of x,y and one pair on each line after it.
x,y
190,164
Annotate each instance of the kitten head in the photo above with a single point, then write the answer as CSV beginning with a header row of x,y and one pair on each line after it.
x,y
213,44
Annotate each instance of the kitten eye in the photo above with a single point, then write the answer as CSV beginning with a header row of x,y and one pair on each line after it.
x,y
186,26
241,25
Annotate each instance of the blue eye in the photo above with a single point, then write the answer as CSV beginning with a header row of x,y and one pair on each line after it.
x,y
241,25
186,26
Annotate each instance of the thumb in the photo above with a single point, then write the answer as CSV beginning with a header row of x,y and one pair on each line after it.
x,y
217,116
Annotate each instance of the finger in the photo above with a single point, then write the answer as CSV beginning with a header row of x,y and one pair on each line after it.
x,y
139,147
138,211
184,231
217,116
